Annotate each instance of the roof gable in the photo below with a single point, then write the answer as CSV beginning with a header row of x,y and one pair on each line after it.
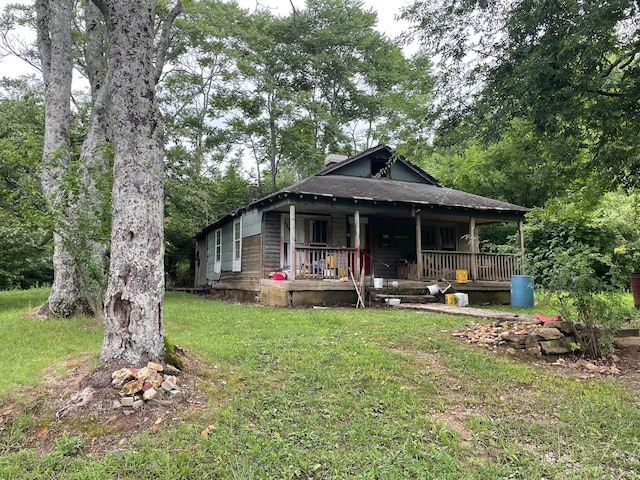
x,y
380,162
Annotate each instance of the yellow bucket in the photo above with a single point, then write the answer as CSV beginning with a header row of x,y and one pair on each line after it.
x,y
462,276
450,298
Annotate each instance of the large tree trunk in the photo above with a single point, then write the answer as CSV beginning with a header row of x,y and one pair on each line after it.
x,y
134,331
92,205
54,22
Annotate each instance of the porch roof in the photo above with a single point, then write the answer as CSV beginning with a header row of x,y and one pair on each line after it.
x,y
388,190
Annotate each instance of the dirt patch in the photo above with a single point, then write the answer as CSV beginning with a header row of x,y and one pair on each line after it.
x,y
100,426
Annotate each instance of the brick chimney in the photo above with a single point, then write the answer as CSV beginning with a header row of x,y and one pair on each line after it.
x,y
334,158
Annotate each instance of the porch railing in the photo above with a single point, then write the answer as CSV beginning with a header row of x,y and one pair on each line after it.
x,y
496,267
318,263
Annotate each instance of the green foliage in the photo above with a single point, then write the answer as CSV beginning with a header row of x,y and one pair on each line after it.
x,y
569,68
520,167
603,237
572,251
25,230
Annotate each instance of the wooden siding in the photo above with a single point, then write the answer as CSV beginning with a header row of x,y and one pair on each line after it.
x,y
271,243
201,262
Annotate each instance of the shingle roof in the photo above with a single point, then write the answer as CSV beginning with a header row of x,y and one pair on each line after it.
x,y
387,190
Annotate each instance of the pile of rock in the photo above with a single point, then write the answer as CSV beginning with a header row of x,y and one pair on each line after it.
x,y
532,337
154,384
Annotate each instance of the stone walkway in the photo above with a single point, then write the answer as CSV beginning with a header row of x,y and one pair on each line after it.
x,y
466,311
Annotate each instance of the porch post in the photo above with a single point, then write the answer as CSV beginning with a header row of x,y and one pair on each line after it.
x,y
292,240
356,225
474,249
419,245
521,235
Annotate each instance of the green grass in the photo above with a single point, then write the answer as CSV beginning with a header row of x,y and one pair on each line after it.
x,y
341,393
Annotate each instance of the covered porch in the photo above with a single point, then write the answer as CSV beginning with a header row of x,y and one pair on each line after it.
x,y
391,247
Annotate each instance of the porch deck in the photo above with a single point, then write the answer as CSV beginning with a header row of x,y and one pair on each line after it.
x,y
332,292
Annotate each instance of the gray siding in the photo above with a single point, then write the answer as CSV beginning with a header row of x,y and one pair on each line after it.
x,y
252,223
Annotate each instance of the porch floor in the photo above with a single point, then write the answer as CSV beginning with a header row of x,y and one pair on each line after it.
x,y
335,292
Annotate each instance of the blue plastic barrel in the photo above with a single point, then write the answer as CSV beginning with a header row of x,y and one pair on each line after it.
x,y
521,291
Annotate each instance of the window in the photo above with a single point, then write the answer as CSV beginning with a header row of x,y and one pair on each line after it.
x,y
237,245
447,238
319,233
217,252
439,237
429,239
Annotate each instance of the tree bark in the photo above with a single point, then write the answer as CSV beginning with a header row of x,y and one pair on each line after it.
x,y
54,23
91,236
134,330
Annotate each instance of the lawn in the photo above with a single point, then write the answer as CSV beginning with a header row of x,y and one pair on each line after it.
x,y
311,393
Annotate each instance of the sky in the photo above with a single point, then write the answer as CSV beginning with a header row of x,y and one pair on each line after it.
x,y
387,10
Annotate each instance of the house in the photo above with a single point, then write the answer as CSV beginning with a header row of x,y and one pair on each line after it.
x,y
373,214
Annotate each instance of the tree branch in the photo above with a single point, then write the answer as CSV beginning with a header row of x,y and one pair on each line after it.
x,y
44,38
163,42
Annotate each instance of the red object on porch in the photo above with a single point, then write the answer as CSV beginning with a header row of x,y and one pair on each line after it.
x,y
278,276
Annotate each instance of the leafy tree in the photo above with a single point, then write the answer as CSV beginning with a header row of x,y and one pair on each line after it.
x,y
25,232
568,67
604,235
521,167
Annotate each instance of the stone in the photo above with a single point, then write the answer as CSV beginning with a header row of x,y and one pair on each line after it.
x,y
126,401
564,326
559,346
116,404
145,373
630,343
171,370
155,366
131,387
120,377
168,385
628,332
533,350
591,367
549,333
138,404
159,403
511,351
149,394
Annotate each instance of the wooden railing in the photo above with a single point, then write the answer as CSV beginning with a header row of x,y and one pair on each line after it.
x,y
492,267
318,263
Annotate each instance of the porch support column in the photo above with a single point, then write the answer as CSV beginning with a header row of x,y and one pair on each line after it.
x,y
292,240
521,235
473,235
419,263
356,226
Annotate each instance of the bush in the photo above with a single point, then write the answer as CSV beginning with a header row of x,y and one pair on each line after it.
x,y
605,237
584,300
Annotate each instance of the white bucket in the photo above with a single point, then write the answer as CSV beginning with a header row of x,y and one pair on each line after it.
x,y
377,282
433,289
462,299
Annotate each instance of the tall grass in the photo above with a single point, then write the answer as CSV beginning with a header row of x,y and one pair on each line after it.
x,y
345,393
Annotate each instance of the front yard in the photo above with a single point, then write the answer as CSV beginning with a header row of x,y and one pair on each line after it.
x,y
310,393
